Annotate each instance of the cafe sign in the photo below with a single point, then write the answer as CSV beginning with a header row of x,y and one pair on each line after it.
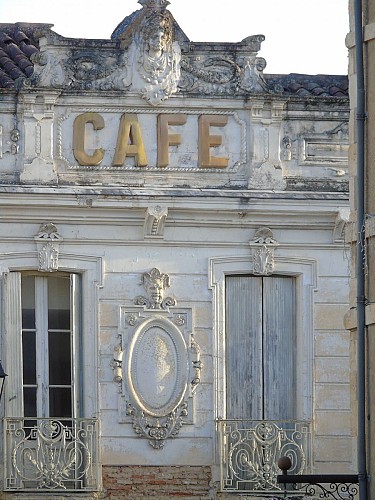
x,y
143,140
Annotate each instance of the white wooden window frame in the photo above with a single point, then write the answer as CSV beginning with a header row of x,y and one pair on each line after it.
x,y
90,268
42,342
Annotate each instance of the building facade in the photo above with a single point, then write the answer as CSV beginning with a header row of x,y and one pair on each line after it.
x,y
173,266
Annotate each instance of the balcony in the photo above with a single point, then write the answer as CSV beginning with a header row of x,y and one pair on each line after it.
x,y
45,454
249,451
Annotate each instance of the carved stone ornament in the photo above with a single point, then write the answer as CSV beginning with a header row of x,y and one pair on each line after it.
x,y
157,431
197,364
48,241
154,58
161,369
162,372
144,56
154,4
14,141
116,364
155,221
263,253
155,283
342,219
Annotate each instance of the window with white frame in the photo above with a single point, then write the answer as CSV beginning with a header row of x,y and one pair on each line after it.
x,y
49,442
50,345
42,341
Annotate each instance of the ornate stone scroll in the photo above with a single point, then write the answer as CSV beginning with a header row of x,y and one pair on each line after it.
x,y
263,253
48,241
162,368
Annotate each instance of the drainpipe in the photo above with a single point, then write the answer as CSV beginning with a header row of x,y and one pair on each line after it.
x,y
361,328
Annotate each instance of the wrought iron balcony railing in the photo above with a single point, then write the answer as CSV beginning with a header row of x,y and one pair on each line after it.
x,y
51,454
250,450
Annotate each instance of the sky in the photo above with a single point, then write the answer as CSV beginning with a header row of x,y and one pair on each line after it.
x,y
302,36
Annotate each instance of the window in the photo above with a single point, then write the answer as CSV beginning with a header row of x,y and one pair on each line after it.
x,y
50,431
43,334
49,321
260,346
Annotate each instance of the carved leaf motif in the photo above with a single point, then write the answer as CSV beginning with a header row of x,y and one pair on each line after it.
x,y
209,75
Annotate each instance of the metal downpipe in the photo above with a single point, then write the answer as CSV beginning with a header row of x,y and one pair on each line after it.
x,y
361,328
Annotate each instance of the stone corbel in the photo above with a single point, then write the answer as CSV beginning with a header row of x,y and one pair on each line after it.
x,y
341,221
48,241
155,221
264,245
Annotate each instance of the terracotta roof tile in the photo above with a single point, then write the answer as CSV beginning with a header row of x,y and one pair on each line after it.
x,y
310,85
16,47
5,81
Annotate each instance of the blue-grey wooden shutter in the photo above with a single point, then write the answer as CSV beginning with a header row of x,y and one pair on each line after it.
x,y
279,348
244,347
260,347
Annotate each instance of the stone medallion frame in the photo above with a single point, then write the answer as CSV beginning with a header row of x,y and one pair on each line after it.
x,y
157,368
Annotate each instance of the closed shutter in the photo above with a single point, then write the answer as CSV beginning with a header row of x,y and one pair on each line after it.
x,y
260,347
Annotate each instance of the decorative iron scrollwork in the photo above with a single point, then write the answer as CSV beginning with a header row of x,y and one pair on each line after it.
x,y
51,454
332,486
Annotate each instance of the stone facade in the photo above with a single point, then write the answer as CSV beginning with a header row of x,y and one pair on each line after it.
x,y
179,206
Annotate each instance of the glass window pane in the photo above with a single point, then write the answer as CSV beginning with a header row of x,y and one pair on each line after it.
x,y
59,303
29,401
29,357
60,402
59,358
28,301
